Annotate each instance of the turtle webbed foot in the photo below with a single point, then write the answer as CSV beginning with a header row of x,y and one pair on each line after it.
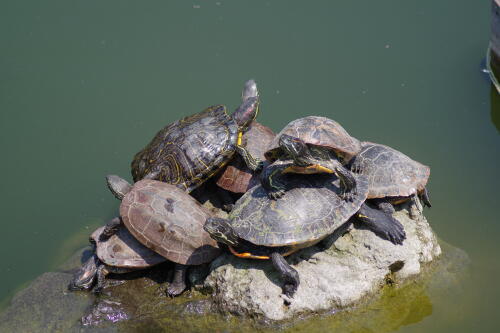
x,y
227,207
175,289
178,284
110,229
347,195
275,193
348,189
397,235
382,224
289,289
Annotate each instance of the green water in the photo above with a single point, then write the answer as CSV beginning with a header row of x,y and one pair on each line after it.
x,y
84,85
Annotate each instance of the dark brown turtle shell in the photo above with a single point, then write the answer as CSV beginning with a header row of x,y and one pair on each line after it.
x,y
310,210
169,221
390,173
319,131
123,250
190,150
237,177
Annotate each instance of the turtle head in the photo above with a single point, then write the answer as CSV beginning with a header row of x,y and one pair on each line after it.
x,y
221,230
296,149
84,277
249,90
249,108
118,186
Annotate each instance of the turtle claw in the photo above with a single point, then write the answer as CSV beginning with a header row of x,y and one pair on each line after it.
x,y
348,195
276,194
289,289
397,234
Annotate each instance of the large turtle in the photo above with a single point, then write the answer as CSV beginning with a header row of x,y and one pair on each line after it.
x,y
120,253
310,145
167,220
392,176
310,210
237,177
189,151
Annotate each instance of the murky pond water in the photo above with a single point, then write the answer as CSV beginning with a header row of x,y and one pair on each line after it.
x,y
85,85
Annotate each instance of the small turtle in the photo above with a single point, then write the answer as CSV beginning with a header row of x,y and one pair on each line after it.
x,y
191,150
237,177
311,209
392,176
311,145
121,253
167,220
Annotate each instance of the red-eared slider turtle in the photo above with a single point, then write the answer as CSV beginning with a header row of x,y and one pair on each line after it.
x,y
311,209
167,220
189,151
120,253
392,176
310,145
237,177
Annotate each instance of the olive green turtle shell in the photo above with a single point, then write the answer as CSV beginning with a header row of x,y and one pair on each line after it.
x,y
389,172
123,250
309,211
318,131
169,221
190,150
237,177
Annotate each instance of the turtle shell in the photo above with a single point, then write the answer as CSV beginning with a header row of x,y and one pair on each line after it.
x,y
123,250
318,131
310,210
188,151
389,172
237,177
169,221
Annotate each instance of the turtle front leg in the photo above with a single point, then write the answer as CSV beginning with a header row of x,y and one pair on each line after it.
x,y
289,275
270,180
110,229
253,163
178,284
347,183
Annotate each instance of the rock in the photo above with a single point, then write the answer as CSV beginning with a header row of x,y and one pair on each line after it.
x,y
356,264
45,306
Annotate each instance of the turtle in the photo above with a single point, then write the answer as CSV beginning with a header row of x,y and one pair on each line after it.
x,y
120,253
311,145
392,176
237,177
259,227
165,219
191,150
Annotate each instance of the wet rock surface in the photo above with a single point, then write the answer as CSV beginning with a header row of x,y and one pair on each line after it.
x,y
355,264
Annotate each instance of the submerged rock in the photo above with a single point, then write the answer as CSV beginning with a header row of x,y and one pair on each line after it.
x,y
356,264
46,305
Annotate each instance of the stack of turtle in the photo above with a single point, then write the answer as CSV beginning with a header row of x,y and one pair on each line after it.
x,y
283,192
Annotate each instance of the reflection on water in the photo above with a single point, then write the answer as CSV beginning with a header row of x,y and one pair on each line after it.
x,y
495,107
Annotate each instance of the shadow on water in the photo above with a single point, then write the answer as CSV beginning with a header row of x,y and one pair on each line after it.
x,y
495,107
